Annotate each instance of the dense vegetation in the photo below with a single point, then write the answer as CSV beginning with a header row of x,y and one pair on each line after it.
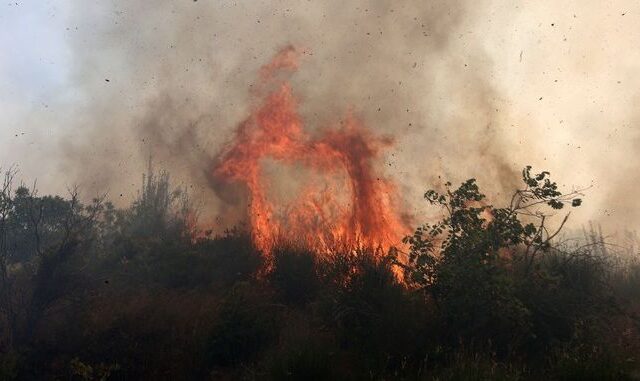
x,y
91,292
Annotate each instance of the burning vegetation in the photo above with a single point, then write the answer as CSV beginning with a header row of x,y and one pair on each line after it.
x,y
351,211
330,280
488,292
342,199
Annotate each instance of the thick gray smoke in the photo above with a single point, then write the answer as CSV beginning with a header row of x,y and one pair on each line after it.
x,y
466,89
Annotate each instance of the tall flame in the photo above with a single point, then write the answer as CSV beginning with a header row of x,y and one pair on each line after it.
x,y
343,199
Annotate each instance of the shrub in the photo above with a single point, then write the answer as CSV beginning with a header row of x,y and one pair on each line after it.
x,y
294,275
246,323
466,261
371,313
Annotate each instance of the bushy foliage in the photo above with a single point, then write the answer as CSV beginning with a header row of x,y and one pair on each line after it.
x,y
247,322
480,263
294,274
96,292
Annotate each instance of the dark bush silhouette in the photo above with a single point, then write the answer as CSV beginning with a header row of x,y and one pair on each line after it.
x,y
294,274
93,292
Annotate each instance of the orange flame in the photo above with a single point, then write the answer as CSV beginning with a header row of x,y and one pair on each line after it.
x,y
343,199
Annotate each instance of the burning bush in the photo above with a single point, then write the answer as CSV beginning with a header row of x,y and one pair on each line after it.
x,y
320,285
484,293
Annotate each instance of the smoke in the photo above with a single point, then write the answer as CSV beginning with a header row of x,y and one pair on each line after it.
x,y
465,89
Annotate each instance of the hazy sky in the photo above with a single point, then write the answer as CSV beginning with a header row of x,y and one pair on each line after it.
x,y
34,77
548,83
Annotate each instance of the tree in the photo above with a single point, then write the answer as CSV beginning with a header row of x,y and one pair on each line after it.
x,y
6,207
38,235
463,261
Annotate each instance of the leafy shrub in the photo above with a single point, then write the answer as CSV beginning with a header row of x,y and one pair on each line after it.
x,y
466,261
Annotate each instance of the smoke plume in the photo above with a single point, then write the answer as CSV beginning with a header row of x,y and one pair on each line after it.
x,y
464,88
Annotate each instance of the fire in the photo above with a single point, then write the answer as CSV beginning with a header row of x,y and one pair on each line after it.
x,y
342,198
